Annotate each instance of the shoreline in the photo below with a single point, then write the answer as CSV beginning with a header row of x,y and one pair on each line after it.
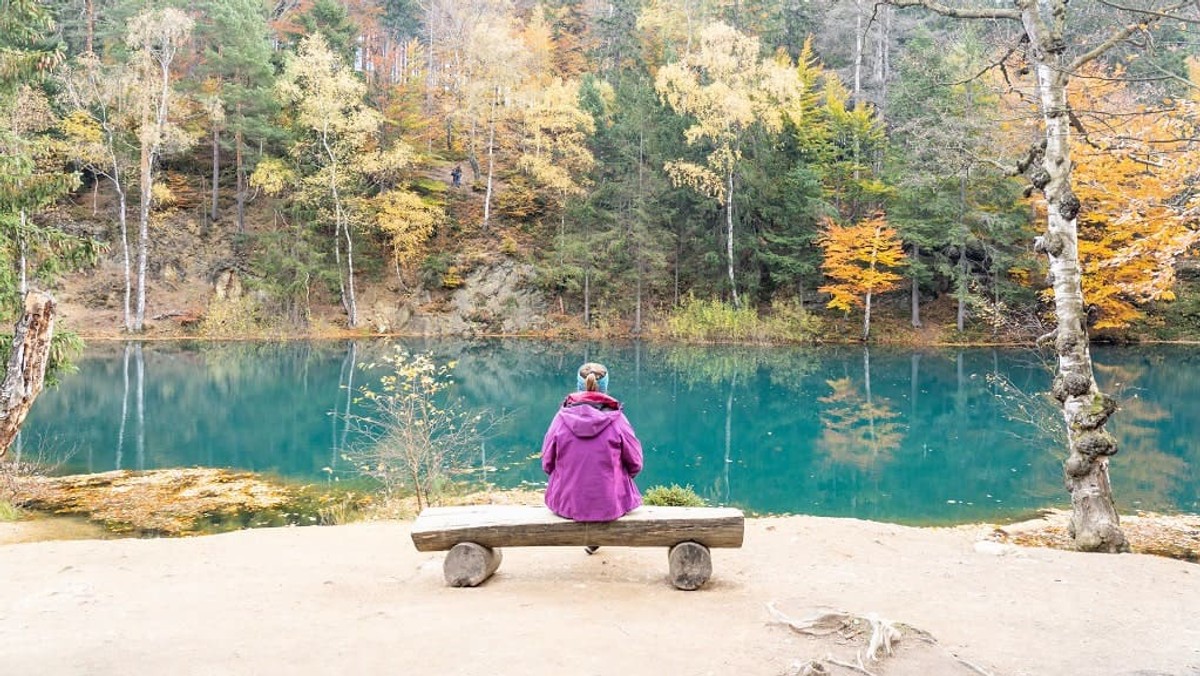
x,y
1175,536
348,334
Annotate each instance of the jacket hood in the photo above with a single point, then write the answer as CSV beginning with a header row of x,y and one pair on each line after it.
x,y
586,421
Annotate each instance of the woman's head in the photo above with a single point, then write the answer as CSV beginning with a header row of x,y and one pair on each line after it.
x,y
592,377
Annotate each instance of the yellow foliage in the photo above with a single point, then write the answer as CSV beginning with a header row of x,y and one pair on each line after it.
x,y
858,260
557,131
727,89
273,176
79,126
408,221
162,196
1133,178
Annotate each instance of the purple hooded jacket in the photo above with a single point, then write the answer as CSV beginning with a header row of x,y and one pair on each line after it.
x,y
591,455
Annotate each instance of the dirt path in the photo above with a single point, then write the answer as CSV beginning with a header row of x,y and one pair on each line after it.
x,y
359,599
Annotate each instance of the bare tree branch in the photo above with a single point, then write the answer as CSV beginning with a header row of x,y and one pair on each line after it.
x,y
1120,34
957,12
1160,14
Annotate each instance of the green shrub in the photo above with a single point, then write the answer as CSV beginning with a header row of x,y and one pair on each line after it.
x,y
672,496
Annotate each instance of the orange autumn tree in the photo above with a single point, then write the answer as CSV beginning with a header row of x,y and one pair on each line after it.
x,y
859,261
1133,173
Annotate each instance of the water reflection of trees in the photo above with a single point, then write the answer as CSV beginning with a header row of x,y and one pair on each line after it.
x,y
858,429
1144,475
718,371
817,431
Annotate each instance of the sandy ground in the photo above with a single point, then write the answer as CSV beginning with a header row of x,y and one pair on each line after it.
x,y
360,599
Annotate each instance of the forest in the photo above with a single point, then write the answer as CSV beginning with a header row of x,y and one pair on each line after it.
x,y
716,169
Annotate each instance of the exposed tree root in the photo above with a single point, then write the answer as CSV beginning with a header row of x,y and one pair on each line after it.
x,y
884,635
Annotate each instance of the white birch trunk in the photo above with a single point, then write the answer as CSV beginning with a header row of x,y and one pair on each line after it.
x,y
491,150
729,236
867,318
216,172
1095,525
123,221
143,241
859,38
341,228
22,282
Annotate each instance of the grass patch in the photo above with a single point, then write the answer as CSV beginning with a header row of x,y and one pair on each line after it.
x,y
713,321
9,512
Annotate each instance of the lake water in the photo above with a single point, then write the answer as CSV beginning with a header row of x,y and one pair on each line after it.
x,y
893,435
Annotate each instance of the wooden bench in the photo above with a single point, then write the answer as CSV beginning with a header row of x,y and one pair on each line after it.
x,y
474,534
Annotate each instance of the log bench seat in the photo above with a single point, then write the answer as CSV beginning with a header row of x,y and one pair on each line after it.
x,y
474,534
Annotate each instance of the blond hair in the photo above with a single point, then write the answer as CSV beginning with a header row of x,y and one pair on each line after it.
x,y
591,373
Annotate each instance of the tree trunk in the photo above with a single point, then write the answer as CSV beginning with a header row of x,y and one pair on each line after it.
x,y
587,296
352,308
885,49
143,243
961,315
1095,525
22,257
26,371
729,237
637,316
859,39
89,41
867,318
491,151
961,320
240,189
216,172
123,221
916,291
340,227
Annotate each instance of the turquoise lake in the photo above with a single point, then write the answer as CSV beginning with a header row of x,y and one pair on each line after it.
x,y
937,436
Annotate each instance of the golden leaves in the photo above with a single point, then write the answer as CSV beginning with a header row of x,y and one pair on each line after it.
x,y
1133,179
408,221
858,259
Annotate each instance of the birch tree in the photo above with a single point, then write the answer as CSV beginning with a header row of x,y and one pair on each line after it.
x,y
341,161
155,38
495,65
728,90
1055,56
329,105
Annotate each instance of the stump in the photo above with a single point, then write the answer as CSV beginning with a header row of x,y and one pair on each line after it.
x,y
691,565
468,564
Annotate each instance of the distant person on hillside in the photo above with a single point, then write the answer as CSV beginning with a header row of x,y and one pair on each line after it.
x,y
591,454
456,176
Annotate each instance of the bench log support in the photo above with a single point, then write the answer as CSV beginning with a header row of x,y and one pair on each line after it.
x,y
469,564
474,535
691,565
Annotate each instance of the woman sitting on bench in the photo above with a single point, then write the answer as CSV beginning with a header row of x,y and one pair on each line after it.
x,y
591,454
